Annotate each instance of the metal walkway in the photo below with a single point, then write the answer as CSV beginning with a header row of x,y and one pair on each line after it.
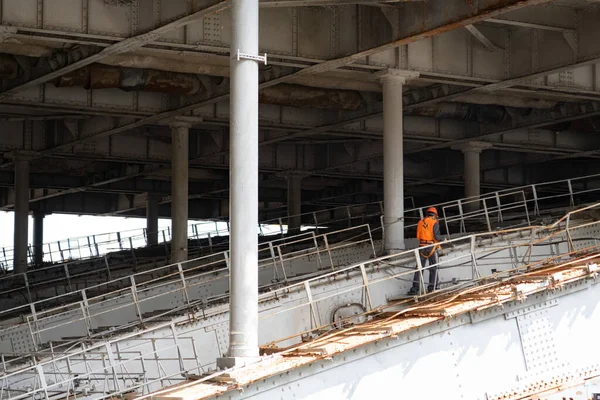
x,y
189,344
495,341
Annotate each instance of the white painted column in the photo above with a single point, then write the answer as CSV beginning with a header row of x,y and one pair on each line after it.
x,y
294,202
152,219
243,132
179,190
472,172
393,163
21,214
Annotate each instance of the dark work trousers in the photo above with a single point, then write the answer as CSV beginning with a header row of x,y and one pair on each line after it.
x,y
433,259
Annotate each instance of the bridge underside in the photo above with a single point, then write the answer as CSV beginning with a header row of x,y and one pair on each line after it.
x,y
516,79
338,121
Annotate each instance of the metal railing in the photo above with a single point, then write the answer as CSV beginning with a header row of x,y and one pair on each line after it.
x,y
132,300
105,365
86,247
491,210
501,208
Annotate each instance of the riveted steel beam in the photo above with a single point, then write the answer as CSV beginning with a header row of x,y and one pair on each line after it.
x,y
423,21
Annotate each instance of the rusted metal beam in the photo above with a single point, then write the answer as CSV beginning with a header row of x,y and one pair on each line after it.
x,y
132,43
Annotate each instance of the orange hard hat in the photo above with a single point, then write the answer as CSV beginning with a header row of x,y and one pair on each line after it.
x,y
432,210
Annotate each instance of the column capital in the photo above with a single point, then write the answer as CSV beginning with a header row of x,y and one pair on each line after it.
x,y
398,75
472,147
184,121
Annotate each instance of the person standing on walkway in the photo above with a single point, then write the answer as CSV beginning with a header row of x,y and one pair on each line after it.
x,y
428,233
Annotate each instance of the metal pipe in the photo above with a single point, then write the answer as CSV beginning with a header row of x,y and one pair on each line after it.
x,y
21,214
38,238
472,183
179,190
393,164
294,202
152,219
243,324
472,173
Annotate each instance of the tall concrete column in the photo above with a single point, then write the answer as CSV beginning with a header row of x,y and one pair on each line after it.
x,y
243,133
472,172
294,201
21,214
38,237
179,189
152,219
393,165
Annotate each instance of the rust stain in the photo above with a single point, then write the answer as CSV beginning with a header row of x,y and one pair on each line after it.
x,y
389,324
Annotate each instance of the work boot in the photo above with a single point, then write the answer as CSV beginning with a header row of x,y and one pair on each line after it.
x,y
431,289
413,291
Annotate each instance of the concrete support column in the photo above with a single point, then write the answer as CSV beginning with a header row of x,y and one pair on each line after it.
x,y
152,219
472,172
179,189
38,237
21,214
243,133
393,165
294,202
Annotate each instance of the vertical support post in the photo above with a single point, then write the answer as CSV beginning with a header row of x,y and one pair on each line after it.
x,y
179,189
313,311
393,160
487,216
499,205
536,209
463,228
243,128
151,219
38,237
366,285
572,200
96,246
420,271
134,296
294,202
21,214
472,172
111,363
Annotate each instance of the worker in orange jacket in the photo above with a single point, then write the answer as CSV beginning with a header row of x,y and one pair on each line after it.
x,y
428,233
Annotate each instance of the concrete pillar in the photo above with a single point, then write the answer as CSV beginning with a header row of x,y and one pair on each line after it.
x,y
152,219
243,133
393,165
38,237
294,202
179,189
21,214
472,172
